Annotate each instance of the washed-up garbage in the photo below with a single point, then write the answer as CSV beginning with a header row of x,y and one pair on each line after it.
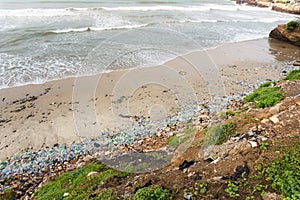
x,y
239,172
209,160
186,164
147,184
37,166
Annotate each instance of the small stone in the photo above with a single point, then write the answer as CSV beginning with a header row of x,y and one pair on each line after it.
x,y
250,133
296,63
91,173
169,134
87,158
298,103
191,174
253,144
271,196
274,119
25,178
275,109
262,138
66,194
182,73
264,121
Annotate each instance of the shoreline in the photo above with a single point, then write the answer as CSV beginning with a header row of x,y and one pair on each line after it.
x,y
36,116
110,71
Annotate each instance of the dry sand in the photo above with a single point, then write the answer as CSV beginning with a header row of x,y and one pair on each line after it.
x,y
63,111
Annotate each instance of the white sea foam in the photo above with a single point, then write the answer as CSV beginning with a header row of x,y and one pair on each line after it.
x,y
98,28
39,12
203,7
74,11
198,21
248,36
6,27
35,13
18,70
265,20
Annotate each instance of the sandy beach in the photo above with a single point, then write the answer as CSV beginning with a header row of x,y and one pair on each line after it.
x,y
63,111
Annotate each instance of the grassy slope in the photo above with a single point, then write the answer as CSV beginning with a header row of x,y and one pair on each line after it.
x,y
77,184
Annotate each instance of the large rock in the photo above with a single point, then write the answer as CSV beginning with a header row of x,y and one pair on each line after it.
x,y
229,148
279,5
281,33
253,3
293,9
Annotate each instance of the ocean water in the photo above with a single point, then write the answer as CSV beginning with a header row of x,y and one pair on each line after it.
x,y
43,40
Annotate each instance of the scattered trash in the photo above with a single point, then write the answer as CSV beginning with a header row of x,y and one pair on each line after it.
x,y
217,160
209,160
186,164
240,171
33,167
66,194
187,196
253,144
149,183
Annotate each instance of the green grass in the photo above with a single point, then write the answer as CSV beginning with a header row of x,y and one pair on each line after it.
x,y
152,193
284,173
267,84
106,195
232,189
292,25
180,138
265,96
218,134
10,194
76,183
281,174
293,75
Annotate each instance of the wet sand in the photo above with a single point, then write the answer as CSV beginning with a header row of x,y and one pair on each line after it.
x,y
63,111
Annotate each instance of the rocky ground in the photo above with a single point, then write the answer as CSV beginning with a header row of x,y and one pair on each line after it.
x,y
281,33
260,134
280,6
195,169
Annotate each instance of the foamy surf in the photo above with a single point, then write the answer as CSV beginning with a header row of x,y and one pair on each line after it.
x,y
86,29
46,40
37,12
